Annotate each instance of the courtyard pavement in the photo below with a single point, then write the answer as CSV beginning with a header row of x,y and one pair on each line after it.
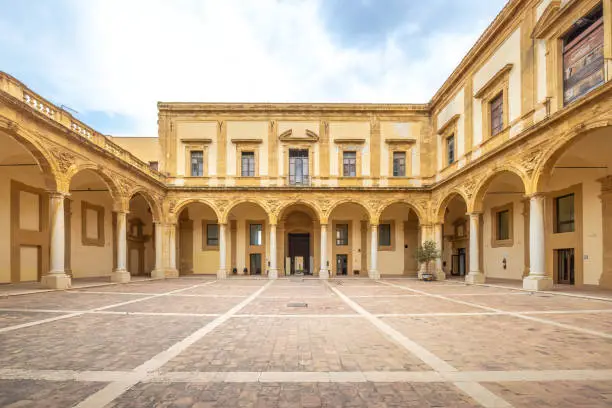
x,y
197,342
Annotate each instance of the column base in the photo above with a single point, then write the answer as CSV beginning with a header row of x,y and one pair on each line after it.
x,y
56,281
373,274
222,274
474,278
120,276
537,283
440,275
323,274
158,274
272,273
171,273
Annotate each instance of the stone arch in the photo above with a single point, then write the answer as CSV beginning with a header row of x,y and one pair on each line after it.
x,y
288,204
555,150
113,186
481,190
439,212
181,205
153,204
231,206
371,213
410,204
49,161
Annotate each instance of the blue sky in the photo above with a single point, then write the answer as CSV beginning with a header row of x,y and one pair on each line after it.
x,y
112,60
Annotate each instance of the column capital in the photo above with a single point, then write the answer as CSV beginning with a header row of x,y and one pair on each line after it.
x,y
58,194
536,196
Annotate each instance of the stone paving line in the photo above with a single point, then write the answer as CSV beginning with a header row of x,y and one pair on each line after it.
x,y
97,309
308,376
170,295
505,312
473,389
115,389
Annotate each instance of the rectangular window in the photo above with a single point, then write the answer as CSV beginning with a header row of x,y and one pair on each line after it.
x,y
248,164
503,225
450,149
197,163
212,234
564,210
342,238
349,164
399,164
496,109
256,234
298,167
583,56
384,235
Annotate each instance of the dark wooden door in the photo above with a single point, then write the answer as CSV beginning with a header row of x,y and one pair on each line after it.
x,y
565,266
299,245
341,264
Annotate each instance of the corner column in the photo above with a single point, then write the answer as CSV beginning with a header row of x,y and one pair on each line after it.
x,y
121,274
324,271
273,271
475,275
373,271
170,233
56,278
537,278
158,272
222,272
440,275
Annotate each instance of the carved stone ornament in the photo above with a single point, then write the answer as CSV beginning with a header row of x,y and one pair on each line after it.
x,y
63,159
530,161
273,206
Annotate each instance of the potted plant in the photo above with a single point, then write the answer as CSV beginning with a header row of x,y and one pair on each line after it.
x,y
426,254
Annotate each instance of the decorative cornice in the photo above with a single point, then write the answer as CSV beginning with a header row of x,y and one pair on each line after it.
x,y
247,141
400,141
548,17
501,75
287,136
201,141
349,141
288,108
449,123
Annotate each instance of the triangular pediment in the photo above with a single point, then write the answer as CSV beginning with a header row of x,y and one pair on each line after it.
x,y
307,136
546,20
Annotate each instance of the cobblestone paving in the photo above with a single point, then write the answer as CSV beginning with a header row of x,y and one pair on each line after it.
x,y
197,342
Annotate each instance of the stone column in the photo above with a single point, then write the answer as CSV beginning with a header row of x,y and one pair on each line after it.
x,y
158,272
222,272
121,274
172,271
440,275
324,271
273,270
57,278
537,278
425,232
373,271
475,275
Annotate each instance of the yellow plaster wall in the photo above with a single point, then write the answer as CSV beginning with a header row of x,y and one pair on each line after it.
x,y
28,175
139,209
392,262
247,130
86,260
455,107
400,130
205,261
508,53
145,148
349,130
515,254
196,130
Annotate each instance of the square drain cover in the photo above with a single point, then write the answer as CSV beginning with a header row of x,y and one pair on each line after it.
x,y
297,304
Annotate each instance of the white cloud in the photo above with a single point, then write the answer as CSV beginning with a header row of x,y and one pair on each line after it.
x,y
130,54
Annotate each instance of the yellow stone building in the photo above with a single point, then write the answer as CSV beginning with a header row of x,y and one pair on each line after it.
x,y
506,168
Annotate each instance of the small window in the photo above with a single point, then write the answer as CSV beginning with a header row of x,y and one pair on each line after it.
x,y
399,164
197,163
503,225
256,234
154,165
342,238
349,164
496,107
564,213
298,166
212,234
384,235
248,164
450,149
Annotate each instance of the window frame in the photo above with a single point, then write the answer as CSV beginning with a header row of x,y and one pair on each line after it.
x,y
557,222
499,99
191,154
447,143
337,239
498,85
496,242
250,236
391,246
305,164
355,164
250,172
206,245
405,159
99,240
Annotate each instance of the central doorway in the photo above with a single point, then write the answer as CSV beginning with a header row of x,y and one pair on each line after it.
x,y
299,252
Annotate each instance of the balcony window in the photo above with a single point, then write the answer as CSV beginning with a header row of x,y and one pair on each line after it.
x,y
197,163
399,164
256,234
564,213
450,149
349,164
342,238
248,164
496,107
384,235
298,167
212,235
503,225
